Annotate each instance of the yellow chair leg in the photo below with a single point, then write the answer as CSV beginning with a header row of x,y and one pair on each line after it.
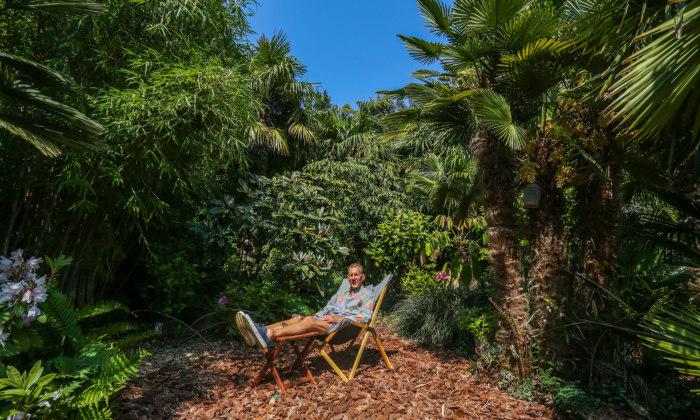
x,y
359,355
333,365
381,349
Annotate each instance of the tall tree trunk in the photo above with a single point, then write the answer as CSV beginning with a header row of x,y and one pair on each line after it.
x,y
599,218
550,262
496,171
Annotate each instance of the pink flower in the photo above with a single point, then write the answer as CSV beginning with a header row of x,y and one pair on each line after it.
x,y
223,300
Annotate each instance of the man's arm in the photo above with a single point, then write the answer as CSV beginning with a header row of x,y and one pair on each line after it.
x,y
328,309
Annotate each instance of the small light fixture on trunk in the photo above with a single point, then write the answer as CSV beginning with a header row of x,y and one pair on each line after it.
x,y
532,194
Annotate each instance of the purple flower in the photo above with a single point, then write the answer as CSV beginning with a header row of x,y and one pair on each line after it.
x,y
223,300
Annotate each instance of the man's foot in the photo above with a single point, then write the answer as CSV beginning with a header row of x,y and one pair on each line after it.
x,y
241,322
252,333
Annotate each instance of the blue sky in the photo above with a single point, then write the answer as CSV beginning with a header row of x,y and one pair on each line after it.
x,y
350,47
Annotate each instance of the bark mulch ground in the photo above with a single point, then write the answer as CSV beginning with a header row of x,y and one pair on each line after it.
x,y
215,384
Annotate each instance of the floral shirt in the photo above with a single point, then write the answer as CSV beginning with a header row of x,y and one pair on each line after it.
x,y
359,305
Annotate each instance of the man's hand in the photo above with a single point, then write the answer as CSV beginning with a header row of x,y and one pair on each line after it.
x,y
331,319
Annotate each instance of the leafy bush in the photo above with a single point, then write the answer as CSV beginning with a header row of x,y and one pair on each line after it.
x,y
400,239
178,280
480,322
434,317
270,213
423,279
267,303
82,352
567,395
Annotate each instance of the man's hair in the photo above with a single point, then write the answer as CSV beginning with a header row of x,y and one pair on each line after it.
x,y
353,265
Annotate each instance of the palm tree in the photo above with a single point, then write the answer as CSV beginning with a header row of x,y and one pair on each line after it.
x,y
651,63
483,118
344,134
446,184
284,123
482,36
23,84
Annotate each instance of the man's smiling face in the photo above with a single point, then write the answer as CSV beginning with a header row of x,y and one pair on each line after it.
x,y
355,278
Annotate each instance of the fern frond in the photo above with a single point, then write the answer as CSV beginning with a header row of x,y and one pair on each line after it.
x,y
100,308
63,317
116,328
94,394
91,413
119,368
127,341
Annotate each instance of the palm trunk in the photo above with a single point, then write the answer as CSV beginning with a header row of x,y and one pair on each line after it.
x,y
497,176
550,262
599,217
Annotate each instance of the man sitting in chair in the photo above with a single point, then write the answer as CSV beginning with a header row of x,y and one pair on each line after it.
x,y
357,303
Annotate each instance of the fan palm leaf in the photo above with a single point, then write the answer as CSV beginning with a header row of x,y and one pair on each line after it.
x,y
659,83
677,335
474,16
493,111
436,15
22,80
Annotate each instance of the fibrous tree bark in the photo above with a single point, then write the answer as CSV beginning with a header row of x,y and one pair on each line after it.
x,y
550,262
598,215
496,170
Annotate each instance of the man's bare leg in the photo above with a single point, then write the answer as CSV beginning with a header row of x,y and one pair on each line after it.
x,y
286,323
298,325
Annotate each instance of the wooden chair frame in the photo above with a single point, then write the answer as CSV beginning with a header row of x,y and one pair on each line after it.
x,y
316,343
369,329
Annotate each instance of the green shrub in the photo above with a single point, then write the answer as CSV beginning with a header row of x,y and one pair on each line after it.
x,y
420,280
267,303
82,351
434,317
178,280
480,322
400,239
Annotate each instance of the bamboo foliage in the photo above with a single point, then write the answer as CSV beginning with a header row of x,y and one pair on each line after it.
x,y
170,84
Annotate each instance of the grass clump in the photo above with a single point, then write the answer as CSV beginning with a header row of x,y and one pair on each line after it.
x,y
434,317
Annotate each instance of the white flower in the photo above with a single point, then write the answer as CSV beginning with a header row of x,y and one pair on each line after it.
x,y
28,276
55,394
27,320
39,294
16,258
45,403
14,288
41,281
27,296
33,263
5,263
34,311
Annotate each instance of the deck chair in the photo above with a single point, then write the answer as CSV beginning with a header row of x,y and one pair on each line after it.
x,y
343,332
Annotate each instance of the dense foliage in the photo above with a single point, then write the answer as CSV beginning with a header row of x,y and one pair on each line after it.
x,y
190,172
